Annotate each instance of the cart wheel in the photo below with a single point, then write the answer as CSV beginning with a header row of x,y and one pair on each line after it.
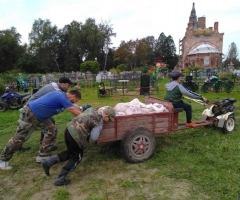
x,y
3,106
138,145
229,124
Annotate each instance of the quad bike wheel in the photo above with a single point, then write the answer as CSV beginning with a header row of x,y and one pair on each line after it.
x,y
3,106
218,86
205,87
229,125
138,145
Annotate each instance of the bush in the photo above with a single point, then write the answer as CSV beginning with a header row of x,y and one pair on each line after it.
x,y
92,66
2,88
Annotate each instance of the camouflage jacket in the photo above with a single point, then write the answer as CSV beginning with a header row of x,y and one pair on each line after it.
x,y
80,127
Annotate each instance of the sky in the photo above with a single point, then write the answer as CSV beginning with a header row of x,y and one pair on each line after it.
x,y
130,19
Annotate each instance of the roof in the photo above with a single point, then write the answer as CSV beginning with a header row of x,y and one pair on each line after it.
x,y
204,48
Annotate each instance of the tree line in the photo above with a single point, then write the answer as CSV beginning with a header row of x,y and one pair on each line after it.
x,y
51,49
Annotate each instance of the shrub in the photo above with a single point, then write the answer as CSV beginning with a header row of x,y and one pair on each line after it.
x,y
92,66
2,88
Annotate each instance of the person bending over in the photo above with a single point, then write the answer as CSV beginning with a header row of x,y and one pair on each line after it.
x,y
62,86
86,126
37,114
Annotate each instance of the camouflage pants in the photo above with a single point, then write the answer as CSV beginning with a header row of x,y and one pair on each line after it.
x,y
27,123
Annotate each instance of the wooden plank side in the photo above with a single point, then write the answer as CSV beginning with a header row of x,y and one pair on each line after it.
x,y
158,123
108,133
131,122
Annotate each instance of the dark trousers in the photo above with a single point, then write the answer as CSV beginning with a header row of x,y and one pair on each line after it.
x,y
73,153
187,108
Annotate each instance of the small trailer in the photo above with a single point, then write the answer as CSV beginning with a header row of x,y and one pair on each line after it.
x,y
137,132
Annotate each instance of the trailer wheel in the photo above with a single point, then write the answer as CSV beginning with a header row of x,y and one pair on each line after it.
x,y
3,106
229,124
138,145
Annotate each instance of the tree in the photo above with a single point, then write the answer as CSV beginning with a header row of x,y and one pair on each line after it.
x,y
71,50
232,51
44,44
107,30
126,54
10,49
152,42
28,64
166,50
91,38
232,56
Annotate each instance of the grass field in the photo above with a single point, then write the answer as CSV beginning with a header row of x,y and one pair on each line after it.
x,y
199,163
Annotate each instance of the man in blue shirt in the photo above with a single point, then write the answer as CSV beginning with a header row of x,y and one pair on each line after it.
x,y
37,114
62,86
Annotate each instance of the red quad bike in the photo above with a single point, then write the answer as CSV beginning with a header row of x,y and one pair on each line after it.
x,y
13,100
137,132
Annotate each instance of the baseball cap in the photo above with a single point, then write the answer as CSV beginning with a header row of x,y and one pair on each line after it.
x,y
175,75
110,112
65,80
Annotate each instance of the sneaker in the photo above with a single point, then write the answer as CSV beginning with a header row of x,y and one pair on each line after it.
x,y
4,165
39,159
193,125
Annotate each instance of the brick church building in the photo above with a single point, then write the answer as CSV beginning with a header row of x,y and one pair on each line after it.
x,y
200,46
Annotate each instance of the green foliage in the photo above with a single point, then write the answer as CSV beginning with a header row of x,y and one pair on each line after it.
x,y
113,70
92,66
196,68
10,49
8,78
122,67
28,64
2,88
61,194
197,163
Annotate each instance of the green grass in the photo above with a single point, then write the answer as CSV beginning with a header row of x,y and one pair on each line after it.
x,y
199,163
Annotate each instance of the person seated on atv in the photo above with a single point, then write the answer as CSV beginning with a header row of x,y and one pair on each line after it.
x,y
174,94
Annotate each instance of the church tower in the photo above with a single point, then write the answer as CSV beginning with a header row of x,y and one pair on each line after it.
x,y
200,46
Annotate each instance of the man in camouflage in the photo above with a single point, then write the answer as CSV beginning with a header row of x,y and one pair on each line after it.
x,y
86,126
62,86
37,114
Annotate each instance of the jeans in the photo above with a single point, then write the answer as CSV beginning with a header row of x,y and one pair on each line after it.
x,y
187,108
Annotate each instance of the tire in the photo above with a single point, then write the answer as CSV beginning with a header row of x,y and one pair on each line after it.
x,y
229,85
218,86
3,106
229,124
138,145
205,87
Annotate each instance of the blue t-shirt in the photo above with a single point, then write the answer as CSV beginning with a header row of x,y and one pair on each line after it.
x,y
49,104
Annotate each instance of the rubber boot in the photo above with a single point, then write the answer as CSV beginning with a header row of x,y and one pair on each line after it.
x,y
50,162
61,178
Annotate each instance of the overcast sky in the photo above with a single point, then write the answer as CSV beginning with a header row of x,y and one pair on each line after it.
x,y
131,19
